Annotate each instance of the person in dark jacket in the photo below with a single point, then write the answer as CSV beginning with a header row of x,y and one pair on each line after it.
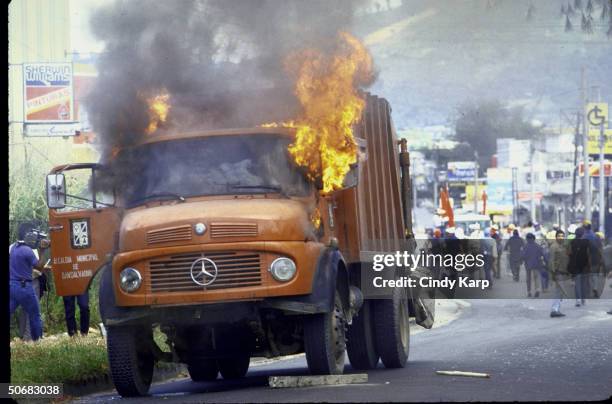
x,y
515,245
580,265
534,258
597,277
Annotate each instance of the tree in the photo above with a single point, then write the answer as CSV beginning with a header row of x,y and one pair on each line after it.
x,y
481,123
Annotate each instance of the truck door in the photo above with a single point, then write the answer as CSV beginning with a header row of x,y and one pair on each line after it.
x,y
83,226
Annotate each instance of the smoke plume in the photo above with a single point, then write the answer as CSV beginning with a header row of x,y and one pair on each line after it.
x,y
213,58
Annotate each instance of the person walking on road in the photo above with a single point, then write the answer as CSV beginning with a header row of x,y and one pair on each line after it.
x,y
515,246
558,266
498,249
534,258
580,265
596,278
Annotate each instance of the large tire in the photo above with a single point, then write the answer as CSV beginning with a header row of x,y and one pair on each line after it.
x,y
392,332
361,343
234,368
203,370
325,340
130,359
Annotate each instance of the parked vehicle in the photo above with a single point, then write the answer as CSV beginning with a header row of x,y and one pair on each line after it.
x,y
224,244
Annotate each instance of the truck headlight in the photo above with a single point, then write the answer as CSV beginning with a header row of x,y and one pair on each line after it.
x,y
283,269
130,279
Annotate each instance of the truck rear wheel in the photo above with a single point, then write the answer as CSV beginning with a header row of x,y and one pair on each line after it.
x,y
392,332
361,345
234,368
203,370
130,359
325,340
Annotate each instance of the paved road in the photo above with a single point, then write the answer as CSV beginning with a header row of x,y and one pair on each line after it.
x,y
529,356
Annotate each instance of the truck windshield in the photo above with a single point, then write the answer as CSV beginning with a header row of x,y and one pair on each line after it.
x,y
215,165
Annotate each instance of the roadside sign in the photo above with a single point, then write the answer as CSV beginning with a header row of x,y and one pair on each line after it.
x,y
594,169
460,171
593,144
51,130
48,93
597,114
499,190
526,196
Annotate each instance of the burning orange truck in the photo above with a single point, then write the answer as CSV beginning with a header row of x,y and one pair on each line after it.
x,y
222,242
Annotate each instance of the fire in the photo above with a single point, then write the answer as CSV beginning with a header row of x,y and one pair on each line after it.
x,y
315,218
158,111
327,88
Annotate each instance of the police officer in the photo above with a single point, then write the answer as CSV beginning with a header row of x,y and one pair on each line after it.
x,y
22,261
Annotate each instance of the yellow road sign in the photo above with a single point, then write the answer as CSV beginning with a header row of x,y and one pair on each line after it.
x,y
596,114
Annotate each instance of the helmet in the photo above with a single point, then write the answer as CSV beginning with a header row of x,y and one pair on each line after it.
x,y
586,222
511,226
600,235
572,228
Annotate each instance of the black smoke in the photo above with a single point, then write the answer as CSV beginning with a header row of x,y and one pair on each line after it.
x,y
221,61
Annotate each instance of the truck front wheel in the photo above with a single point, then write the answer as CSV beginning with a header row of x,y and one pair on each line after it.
x,y
325,340
392,329
130,359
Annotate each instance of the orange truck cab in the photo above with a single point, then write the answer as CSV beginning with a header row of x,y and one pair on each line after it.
x,y
219,241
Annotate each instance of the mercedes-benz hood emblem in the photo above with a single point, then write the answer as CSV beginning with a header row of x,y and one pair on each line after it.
x,y
204,271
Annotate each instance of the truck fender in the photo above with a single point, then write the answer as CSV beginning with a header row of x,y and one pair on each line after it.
x,y
331,274
106,298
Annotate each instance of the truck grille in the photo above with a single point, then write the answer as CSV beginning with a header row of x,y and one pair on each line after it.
x,y
170,234
221,230
235,270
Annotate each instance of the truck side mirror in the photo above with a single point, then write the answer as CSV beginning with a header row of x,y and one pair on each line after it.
x,y
56,191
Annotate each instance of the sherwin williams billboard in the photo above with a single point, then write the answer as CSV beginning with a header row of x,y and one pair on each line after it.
x,y
48,90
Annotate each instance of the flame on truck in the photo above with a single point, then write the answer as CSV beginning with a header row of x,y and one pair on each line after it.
x,y
158,111
327,88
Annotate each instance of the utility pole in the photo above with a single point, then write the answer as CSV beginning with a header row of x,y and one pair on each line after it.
x,y
514,195
475,182
576,143
435,179
602,186
532,177
586,185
